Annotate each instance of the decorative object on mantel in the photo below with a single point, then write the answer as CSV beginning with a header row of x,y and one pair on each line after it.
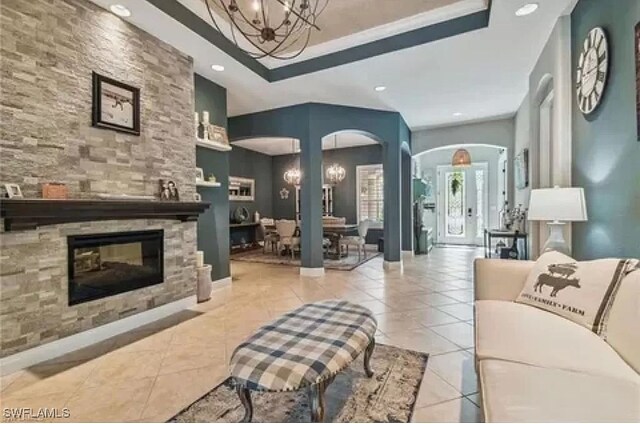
x,y
335,173
199,259
13,191
461,158
55,191
280,29
522,169
116,105
637,46
557,206
107,196
239,215
199,174
197,197
284,193
28,214
169,191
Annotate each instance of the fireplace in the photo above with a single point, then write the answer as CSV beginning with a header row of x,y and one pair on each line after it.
x,y
102,265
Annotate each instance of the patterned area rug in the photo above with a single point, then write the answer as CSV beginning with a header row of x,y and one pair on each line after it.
x,y
389,396
343,264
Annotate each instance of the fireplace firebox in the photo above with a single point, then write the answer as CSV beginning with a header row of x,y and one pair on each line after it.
x,y
102,265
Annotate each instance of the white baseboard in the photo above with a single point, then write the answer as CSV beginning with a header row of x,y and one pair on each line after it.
x,y
63,346
311,272
221,282
392,265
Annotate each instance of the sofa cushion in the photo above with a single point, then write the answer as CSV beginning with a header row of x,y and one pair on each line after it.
x,y
623,332
513,392
582,292
520,333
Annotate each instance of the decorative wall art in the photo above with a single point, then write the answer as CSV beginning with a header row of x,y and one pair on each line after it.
x,y
242,189
521,166
169,191
13,191
284,193
638,76
55,191
116,105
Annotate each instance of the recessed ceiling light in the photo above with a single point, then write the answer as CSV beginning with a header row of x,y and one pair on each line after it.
x,y
217,68
120,10
380,88
458,113
527,9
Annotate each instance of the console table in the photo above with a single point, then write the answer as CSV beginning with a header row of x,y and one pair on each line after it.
x,y
509,234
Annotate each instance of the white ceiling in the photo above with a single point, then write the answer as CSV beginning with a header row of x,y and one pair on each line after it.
x,y
481,74
274,146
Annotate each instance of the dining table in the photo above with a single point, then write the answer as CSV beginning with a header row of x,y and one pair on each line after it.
x,y
333,232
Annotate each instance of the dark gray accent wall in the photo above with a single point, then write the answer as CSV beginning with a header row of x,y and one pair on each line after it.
x,y
249,164
606,151
213,225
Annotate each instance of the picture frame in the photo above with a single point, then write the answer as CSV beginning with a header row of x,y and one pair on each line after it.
x,y
169,191
521,169
637,47
115,105
199,174
13,191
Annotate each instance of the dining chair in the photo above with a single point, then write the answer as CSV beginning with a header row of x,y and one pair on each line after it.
x,y
359,241
286,230
270,237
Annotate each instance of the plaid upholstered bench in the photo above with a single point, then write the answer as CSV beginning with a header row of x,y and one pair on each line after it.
x,y
303,349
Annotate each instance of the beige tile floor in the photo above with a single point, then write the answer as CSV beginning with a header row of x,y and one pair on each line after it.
x,y
152,373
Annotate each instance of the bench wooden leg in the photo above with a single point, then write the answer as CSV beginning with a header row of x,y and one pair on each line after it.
x,y
245,399
316,401
367,357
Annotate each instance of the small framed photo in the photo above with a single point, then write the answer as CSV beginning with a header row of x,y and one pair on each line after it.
x,y
199,174
13,191
169,191
116,105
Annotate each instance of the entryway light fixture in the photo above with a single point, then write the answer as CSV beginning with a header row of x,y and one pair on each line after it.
x,y
335,173
461,158
280,29
120,10
293,175
527,9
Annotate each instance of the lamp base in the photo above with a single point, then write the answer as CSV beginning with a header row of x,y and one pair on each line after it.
x,y
556,241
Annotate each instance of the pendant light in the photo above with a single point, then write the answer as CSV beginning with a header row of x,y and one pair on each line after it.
x,y
293,175
335,173
461,158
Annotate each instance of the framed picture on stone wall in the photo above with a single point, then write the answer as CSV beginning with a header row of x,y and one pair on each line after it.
x,y
116,105
637,45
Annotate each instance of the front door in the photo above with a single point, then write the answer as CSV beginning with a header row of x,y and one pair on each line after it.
x,y
463,197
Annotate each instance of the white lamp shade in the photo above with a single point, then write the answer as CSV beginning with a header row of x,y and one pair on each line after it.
x,y
557,204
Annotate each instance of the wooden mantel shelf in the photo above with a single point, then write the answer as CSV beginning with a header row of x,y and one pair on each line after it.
x,y
28,214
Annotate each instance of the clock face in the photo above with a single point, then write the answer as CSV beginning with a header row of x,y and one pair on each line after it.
x,y
593,66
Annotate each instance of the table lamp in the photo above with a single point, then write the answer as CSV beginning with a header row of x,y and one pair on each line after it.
x,y
557,206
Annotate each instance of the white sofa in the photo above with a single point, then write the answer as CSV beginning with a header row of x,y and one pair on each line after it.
x,y
535,366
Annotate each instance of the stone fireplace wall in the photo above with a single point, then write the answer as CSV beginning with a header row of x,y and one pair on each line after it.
x,y
48,50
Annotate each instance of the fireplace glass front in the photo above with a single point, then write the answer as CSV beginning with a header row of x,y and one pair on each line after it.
x,y
102,265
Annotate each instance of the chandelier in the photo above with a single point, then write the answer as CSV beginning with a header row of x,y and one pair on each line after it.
x,y
275,28
335,173
293,175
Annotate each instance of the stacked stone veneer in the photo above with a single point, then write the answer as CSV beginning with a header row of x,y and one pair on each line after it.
x,y
48,50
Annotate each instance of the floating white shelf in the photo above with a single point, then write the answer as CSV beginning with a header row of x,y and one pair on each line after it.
x,y
207,184
214,145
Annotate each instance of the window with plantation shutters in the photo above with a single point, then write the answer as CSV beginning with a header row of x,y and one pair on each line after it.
x,y
370,192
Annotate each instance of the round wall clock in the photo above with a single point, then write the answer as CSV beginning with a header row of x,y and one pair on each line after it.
x,y
593,67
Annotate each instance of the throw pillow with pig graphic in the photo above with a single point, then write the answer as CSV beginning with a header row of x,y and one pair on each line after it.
x,y
582,292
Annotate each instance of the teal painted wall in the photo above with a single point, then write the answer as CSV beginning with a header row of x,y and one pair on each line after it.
x,y
606,151
213,225
249,164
